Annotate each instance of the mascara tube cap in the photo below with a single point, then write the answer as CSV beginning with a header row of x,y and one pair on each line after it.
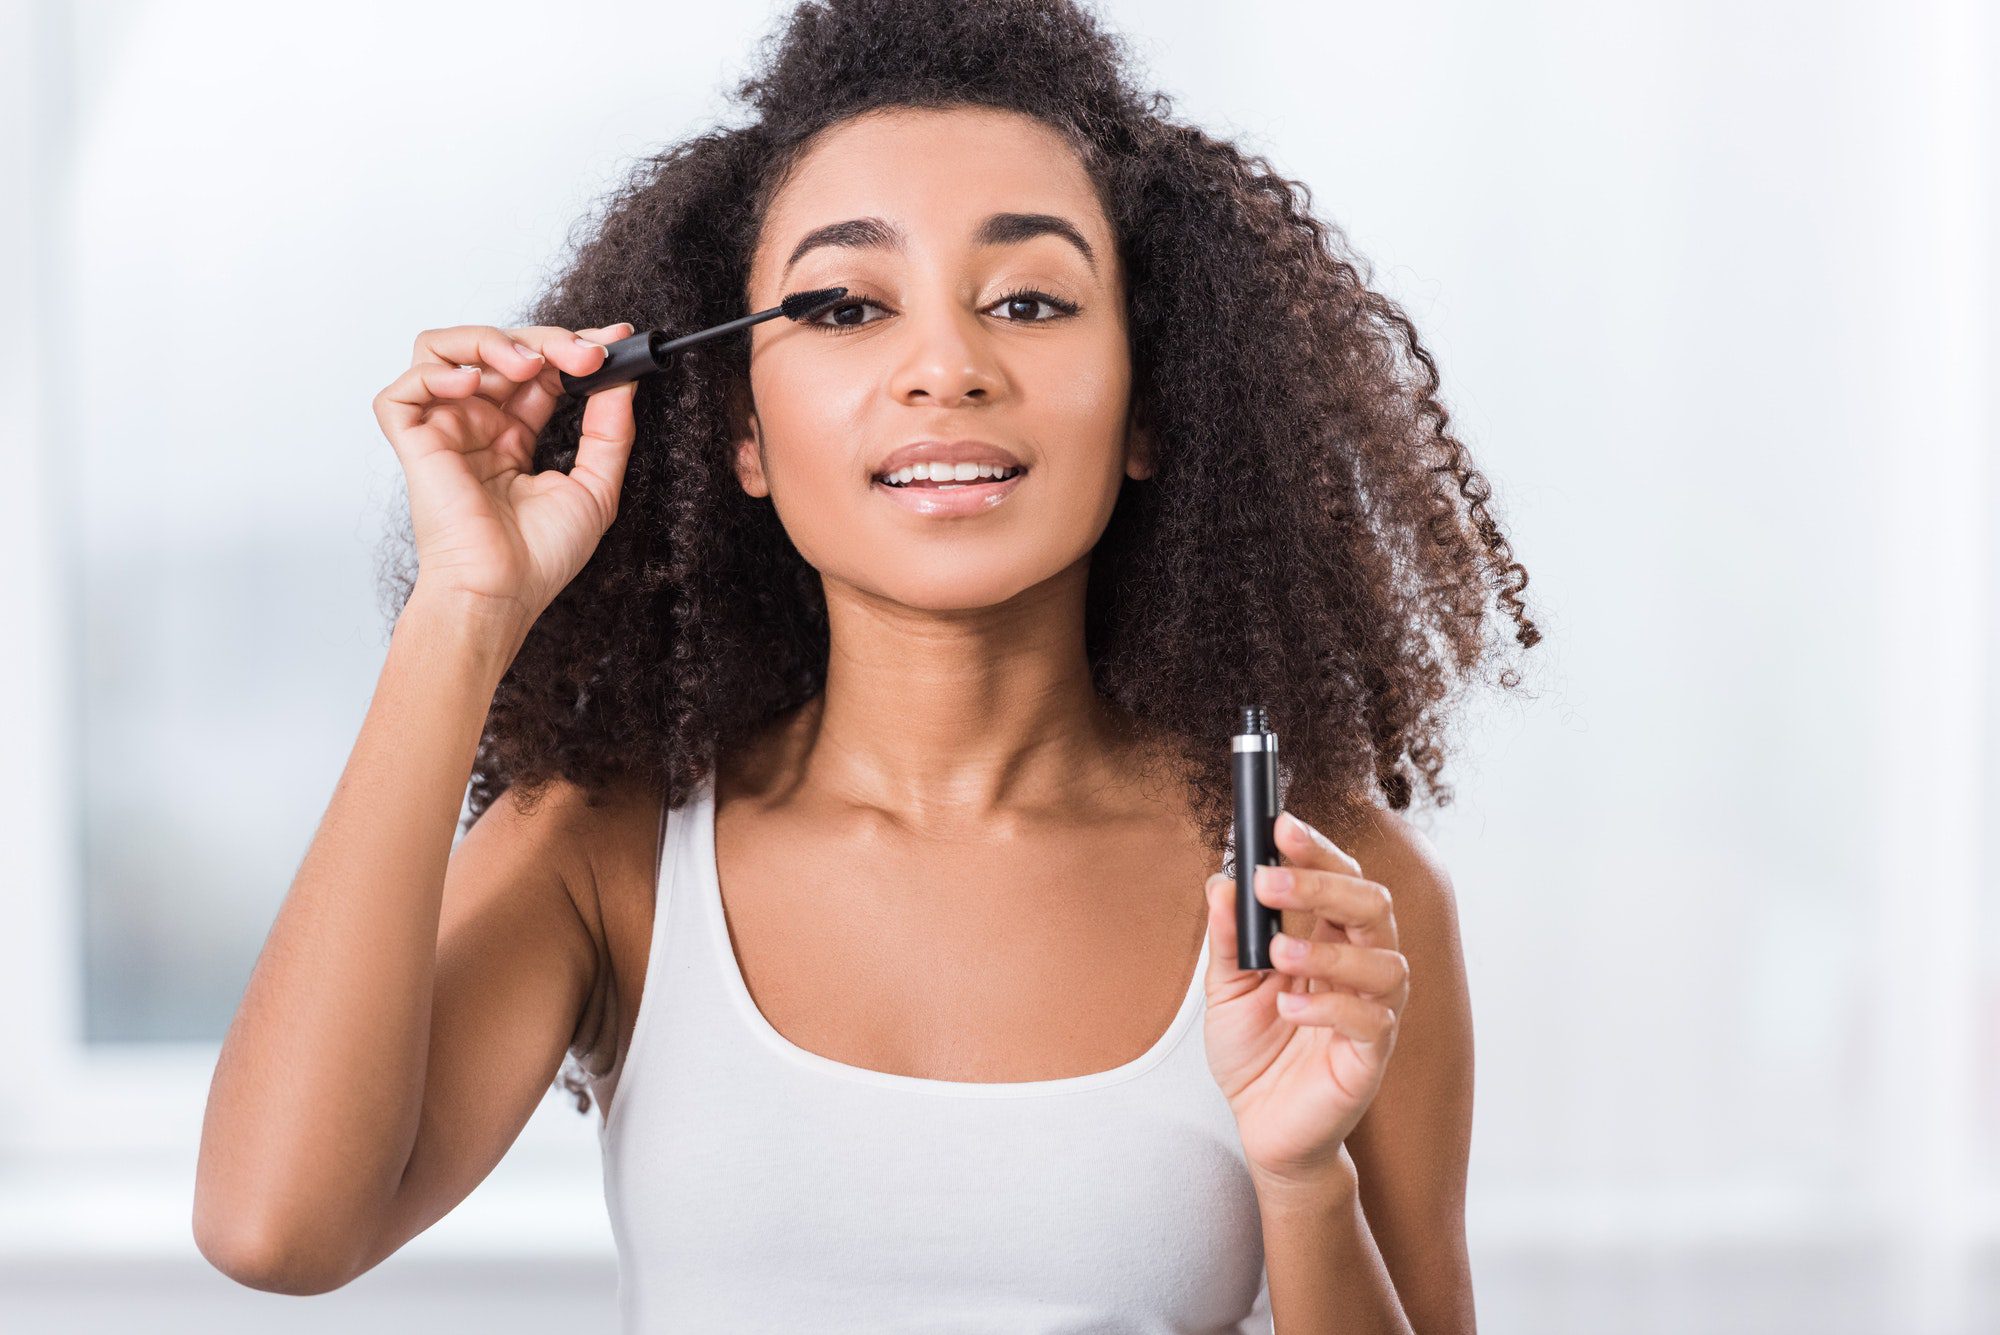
x,y
625,360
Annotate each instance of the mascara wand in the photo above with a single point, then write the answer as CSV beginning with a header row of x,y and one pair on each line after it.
x,y
646,352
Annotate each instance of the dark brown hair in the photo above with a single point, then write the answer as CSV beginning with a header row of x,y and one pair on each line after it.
x,y
1313,538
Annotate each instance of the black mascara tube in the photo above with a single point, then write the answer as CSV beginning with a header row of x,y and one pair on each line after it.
x,y
1253,755
645,352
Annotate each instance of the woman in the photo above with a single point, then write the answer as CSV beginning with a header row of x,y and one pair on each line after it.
x,y
850,823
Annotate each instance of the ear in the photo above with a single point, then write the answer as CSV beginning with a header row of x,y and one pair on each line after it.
x,y
1139,457
747,432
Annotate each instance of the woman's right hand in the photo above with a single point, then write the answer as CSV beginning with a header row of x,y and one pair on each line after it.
x,y
486,525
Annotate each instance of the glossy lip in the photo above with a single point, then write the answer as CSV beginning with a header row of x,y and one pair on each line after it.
x,y
944,452
967,498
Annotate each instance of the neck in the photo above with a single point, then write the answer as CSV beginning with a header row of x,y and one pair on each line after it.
x,y
953,717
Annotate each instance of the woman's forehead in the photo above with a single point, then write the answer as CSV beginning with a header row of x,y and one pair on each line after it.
x,y
932,177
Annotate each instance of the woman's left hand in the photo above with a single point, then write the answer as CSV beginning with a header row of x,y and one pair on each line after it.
x,y
1298,1083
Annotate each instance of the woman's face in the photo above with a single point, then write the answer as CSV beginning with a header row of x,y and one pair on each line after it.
x,y
928,345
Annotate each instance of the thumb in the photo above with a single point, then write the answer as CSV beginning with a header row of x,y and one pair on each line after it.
x,y
604,445
1222,934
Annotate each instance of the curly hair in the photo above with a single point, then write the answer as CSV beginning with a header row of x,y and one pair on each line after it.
x,y
1313,536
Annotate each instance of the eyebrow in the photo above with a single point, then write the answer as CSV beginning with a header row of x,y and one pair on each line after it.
x,y
1000,229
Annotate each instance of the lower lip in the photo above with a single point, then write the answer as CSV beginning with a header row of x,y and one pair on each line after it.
x,y
967,498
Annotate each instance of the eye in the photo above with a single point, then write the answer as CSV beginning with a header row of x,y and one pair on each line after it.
x,y
820,320
1032,297
1028,295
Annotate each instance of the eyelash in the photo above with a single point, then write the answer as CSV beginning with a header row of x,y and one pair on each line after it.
x,y
1065,309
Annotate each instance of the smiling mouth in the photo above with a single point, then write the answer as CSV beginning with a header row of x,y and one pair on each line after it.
x,y
950,498
954,484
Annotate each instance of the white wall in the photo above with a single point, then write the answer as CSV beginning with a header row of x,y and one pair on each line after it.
x,y
1711,287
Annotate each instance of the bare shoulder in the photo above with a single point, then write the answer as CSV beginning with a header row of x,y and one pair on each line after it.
x,y
1394,852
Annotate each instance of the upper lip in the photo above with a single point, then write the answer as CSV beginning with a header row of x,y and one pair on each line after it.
x,y
946,452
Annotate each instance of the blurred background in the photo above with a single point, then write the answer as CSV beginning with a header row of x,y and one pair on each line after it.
x,y
1711,286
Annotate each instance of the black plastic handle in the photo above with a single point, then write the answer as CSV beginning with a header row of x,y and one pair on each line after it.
x,y
1254,777
624,361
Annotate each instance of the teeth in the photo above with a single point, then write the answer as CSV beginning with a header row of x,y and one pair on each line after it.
x,y
929,472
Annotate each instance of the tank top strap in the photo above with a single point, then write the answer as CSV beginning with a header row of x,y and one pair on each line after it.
x,y
669,839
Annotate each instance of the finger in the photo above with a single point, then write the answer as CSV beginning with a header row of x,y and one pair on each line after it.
x,y
1222,936
503,359
401,405
605,446
508,358
489,440
426,387
1303,844
1369,970
578,351
1360,907
494,438
535,401
1366,1022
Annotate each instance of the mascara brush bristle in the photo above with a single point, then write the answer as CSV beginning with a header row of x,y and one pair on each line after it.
x,y
801,304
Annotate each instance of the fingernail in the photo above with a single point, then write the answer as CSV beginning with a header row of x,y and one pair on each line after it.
x,y
583,342
1285,945
1277,879
528,352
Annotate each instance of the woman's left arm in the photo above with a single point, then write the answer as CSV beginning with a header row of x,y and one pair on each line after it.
x,y
1399,1202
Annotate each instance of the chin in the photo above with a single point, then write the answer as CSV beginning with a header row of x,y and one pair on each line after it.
x,y
945,594
950,581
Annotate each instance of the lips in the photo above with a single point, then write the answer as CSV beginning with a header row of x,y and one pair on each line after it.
x,y
963,498
945,452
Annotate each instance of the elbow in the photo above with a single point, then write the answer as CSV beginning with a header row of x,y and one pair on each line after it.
x,y
271,1259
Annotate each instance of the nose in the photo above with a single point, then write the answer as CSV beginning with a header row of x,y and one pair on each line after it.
x,y
947,359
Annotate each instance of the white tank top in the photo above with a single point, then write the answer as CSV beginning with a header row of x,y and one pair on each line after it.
x,y
755,1186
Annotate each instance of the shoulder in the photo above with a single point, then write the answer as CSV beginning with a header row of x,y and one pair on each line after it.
x,y
1397,855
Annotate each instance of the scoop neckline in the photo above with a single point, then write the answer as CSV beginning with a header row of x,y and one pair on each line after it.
x,y
739,993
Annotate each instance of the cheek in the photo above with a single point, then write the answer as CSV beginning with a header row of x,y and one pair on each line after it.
x,y
1088,409
811,418
1081,429
811,459
1089,388
801,397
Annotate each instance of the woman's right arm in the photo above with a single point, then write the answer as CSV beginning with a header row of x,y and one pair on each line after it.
x,y
412,1002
